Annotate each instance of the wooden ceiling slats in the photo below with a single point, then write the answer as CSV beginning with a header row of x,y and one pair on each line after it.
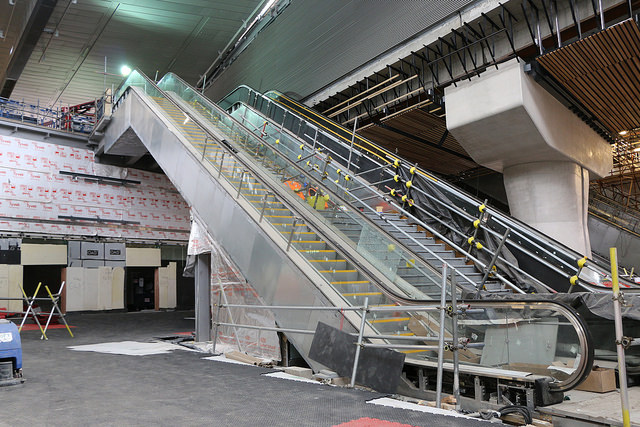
x,y
602,72
427,127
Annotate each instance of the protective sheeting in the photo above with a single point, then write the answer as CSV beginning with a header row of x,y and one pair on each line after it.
x,y
427,201
597,312
598,304
229,286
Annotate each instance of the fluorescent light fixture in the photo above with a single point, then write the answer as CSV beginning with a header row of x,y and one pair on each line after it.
x,y
125,70
623,132
635,150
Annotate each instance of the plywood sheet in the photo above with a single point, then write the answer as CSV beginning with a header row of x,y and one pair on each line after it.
x,y
105,286
117,288
143,257
75,288
163,284
91,287
32,254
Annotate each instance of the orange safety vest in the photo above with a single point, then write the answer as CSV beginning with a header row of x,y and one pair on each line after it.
x,y
296,187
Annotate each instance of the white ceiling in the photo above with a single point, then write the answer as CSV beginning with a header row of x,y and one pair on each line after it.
x,y
182,36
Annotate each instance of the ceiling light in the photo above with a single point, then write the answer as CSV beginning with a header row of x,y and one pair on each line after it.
x,y
635,150
125,70
623,132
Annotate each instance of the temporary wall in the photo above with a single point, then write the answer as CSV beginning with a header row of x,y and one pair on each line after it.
x,y
35,194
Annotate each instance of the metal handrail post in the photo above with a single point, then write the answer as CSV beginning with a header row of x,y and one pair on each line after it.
x,y
356,358
293,230
217,322
617,312
443,298
494,258
244,172
353,137
265,198
221,163
455,346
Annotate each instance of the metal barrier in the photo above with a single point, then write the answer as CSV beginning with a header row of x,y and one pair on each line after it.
x,y
29,301
456,343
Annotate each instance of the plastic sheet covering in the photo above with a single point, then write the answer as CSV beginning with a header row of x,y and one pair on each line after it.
x,y
597,311
463,225
597,304
226,277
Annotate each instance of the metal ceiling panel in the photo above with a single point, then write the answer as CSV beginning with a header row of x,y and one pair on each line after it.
x,y
315,42
153,35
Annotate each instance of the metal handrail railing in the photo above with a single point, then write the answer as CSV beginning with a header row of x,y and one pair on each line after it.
x,y
553,254
400,209
333,194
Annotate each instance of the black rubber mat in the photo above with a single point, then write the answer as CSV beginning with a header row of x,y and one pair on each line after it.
x,y
67,387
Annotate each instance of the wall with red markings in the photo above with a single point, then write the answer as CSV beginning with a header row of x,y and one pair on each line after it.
x,y
33,189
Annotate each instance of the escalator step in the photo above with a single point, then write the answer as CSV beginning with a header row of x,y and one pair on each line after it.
x,y
390,320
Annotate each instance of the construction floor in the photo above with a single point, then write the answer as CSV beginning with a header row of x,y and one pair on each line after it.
x,y
179,387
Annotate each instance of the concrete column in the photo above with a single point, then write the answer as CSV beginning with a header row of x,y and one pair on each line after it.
x,y
553,198
509,123
203,297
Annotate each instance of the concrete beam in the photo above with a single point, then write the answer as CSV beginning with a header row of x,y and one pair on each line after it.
x,y
504,118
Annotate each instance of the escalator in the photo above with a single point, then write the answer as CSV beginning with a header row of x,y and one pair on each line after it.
x,y
323,251
529,259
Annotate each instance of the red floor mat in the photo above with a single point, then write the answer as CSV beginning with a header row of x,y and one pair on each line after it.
x,y
34,327
371,422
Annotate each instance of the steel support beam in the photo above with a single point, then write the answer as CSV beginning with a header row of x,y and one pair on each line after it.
x,y
203,297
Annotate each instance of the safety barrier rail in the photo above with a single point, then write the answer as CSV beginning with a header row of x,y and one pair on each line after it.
x,y
73,119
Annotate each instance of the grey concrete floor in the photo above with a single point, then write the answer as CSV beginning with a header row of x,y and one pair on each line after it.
x,y
69,388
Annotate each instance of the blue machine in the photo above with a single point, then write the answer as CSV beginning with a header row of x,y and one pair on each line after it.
x,y
10,354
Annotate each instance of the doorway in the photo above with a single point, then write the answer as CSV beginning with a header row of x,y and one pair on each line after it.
x,y
49,275
140,288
